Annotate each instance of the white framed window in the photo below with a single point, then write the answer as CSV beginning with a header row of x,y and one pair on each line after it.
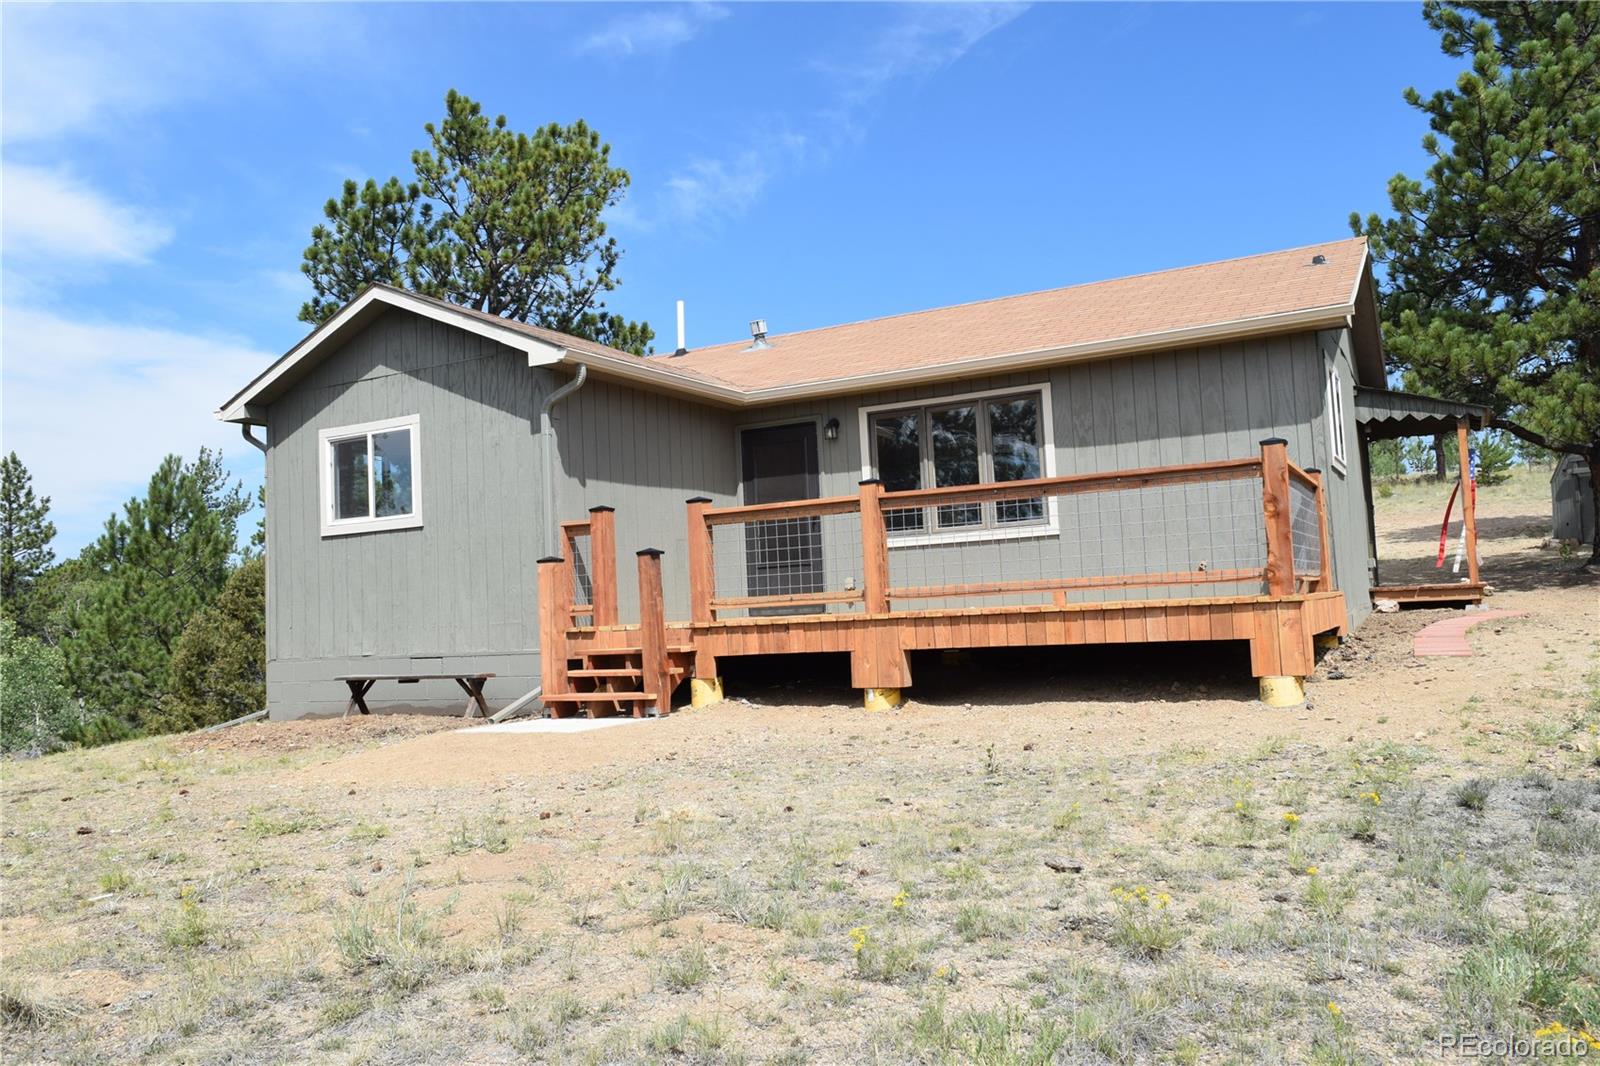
x,y
1336,442
371,476
974,439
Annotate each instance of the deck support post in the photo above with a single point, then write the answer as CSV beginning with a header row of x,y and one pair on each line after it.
x,y
874,549
603,564
702,579
654,665
1275,509
880,699
1469,501
705,691
555,613
1283,691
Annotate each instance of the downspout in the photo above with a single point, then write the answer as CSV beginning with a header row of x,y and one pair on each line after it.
x,y
244,430
552,523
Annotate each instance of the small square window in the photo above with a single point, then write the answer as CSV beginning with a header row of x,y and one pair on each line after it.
x,y
371,477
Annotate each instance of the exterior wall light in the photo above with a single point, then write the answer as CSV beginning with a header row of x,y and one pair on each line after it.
x,y
830,429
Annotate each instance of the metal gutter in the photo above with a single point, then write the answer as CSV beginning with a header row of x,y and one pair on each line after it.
x,y
547,434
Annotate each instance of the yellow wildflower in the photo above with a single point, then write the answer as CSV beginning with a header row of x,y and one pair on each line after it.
x,y
858,938
899,900
1373,797
1587,1039
1291,819
1333,1009
1311,871
941,972
1553,1029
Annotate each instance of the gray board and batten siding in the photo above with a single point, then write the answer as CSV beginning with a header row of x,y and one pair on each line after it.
x,y
456,593
459,593
1156,409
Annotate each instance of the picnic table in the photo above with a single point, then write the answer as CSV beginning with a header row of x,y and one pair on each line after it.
x,y
361,684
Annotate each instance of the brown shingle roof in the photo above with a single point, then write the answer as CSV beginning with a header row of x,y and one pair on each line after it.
x,y
1258,287
1253,296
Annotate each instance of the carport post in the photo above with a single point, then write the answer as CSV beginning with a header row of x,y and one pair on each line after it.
x,y
1469,499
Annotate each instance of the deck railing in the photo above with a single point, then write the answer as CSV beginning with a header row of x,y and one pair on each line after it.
x,y
1257,521
589,547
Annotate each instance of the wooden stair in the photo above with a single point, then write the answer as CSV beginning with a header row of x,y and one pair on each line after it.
x,y
636,679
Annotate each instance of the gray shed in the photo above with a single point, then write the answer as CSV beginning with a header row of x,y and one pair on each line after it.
x,y
1572,501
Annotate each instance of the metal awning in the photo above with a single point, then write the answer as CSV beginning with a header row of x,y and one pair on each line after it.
x,y
1385,415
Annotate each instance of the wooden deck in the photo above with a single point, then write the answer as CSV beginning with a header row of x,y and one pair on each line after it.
x,y
610,667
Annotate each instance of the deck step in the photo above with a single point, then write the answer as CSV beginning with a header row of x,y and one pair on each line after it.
x,y
598,697
599,673
597,653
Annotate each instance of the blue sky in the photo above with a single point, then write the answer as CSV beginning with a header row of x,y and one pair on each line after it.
x,y
162,167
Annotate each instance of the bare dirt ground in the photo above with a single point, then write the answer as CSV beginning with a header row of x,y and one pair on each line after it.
x,y
1111,857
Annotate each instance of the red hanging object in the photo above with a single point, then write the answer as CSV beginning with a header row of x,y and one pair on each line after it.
x,y
1444,527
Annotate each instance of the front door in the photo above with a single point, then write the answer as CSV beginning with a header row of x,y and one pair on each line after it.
x,y
783,557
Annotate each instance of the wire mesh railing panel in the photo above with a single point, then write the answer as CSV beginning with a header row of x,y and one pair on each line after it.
x,y
582,580
815,559
1305,528
1152,542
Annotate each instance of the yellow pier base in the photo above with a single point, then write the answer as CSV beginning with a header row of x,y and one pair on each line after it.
x,y
705,691
880,699
1283,691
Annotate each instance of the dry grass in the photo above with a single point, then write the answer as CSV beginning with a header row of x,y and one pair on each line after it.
x,y
1107,878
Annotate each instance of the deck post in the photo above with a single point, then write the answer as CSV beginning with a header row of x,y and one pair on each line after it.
x,y
1325,577
603,564
1275,508
702,579
555,607
874,548
1469,499
654,666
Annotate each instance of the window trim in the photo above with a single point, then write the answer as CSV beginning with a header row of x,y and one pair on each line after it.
x,y
327,438
1050,527
1338,445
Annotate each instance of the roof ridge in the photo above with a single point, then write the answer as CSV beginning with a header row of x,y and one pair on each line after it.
x,y
1038,292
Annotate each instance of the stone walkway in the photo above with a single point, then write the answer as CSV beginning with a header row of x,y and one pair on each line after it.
x,y
1450,636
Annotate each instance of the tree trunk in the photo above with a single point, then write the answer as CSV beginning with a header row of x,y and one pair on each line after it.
x,y
1438,458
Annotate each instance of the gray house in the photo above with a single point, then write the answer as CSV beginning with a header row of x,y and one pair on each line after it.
x,y
1087,456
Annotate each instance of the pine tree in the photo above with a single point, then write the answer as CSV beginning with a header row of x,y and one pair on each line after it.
x,y
1493,261
153,569
219,670
504,222
25,535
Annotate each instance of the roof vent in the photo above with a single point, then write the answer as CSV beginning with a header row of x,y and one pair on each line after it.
x,y
758,335
1319,260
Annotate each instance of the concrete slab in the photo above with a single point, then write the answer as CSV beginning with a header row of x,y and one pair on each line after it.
x,y
553,725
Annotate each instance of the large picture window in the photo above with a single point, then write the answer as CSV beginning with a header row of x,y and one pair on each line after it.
x,y
961,441
371,477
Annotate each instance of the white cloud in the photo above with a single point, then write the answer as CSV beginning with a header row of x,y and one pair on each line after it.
x,y
657,29
93,407
921,40
49,213
917,42
72,69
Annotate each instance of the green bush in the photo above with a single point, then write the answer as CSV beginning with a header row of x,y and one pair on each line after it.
x,y
219,670
37,712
